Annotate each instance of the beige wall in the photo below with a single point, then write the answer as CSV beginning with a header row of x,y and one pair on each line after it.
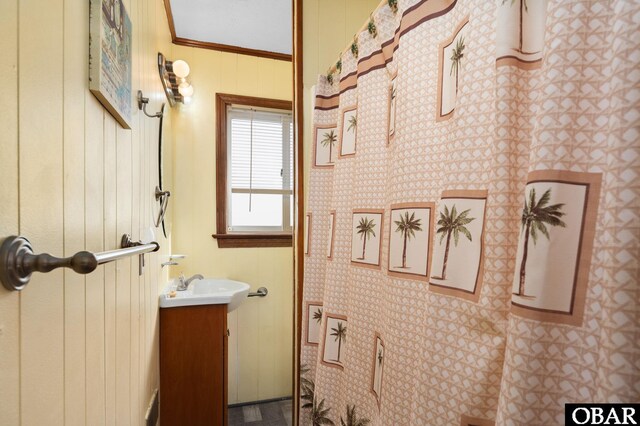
x,y
260,343
76,349
328,28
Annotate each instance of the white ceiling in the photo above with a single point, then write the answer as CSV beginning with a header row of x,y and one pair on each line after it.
x,y
253,24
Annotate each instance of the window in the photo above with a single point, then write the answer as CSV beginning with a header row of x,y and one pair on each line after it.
x,y
254,190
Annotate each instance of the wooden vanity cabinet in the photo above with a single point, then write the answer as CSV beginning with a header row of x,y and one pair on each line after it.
x,y
193,365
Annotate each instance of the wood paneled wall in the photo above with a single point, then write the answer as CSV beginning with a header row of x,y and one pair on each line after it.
x,y
77,349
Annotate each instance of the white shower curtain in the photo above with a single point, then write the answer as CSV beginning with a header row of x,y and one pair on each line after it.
x,y
473,224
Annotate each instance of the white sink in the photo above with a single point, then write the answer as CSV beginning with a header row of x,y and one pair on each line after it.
x,y
209,291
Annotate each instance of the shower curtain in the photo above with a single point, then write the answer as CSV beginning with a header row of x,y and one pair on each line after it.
x,y
472,230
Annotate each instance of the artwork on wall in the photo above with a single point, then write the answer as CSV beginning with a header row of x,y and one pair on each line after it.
x,y
325,145
348,131
410,240
451,59
520,33
458,244
331,235
378,368
555,245
110,58
391,113
335,336
366,238
314,320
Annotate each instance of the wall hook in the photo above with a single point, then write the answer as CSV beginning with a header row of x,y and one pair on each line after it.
x,y
142,105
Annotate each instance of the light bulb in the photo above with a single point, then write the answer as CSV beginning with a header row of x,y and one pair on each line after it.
x,y
186,100
180,68
186,91
184,84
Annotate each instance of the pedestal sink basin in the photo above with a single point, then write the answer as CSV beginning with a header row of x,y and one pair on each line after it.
x,y
209,291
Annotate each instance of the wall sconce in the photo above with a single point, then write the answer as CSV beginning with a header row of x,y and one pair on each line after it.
x,y
142,105
174,80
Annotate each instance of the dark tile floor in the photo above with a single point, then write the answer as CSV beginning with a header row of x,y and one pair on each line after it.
x,y
276,413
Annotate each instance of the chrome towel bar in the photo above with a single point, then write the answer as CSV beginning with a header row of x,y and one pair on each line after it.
x,y
18,262
262,292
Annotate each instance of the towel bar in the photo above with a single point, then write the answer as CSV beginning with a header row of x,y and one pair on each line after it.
x,y
18,262
262,292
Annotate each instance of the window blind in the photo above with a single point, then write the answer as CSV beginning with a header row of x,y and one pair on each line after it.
x,y
260,147
257,150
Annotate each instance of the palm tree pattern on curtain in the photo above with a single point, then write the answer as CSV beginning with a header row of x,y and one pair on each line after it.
x,y
452,223
307,387
329,140
393,5
479,165
407,226
353,123
536,215
392,108
523,8
380,358
352,418
319,414
456,58
366,229
340,334
317,315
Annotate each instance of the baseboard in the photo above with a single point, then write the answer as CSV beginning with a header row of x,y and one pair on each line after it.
x,y
263,401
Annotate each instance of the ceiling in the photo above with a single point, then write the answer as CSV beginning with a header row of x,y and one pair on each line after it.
x,y
251,24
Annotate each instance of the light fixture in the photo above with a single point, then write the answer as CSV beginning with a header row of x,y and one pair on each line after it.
x,y
186,91
174,79
185,88
180,68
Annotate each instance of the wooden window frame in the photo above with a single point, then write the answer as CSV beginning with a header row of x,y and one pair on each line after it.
x,y
239,240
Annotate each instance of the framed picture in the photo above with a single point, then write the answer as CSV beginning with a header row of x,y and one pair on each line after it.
x,y
366,239
325,146
335,335
391,109
410,240
457,263
307,234
556,245
348,131
332,233
314,320
110,58
378,367
520,34
451,60
475,421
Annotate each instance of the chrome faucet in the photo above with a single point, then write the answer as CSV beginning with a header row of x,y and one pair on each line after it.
x,y
183,283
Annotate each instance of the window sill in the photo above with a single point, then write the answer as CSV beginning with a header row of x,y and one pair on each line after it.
x,y
253,240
